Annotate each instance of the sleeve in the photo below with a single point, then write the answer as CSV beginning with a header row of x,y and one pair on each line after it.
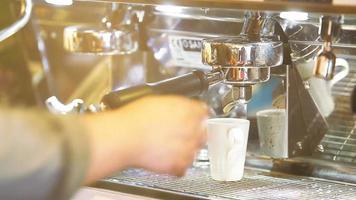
x,y
41,156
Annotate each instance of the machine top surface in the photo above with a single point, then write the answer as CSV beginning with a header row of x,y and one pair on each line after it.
x,y
338,6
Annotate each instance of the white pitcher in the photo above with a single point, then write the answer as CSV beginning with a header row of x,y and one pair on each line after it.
x,y
320,89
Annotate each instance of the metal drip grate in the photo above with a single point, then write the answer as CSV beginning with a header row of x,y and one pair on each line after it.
x,y
255,185
340,141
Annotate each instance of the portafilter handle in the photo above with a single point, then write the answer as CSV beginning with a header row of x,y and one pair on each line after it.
x,y
191,84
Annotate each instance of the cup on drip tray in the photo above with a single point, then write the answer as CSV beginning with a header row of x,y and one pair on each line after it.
x,y
227,144
272,132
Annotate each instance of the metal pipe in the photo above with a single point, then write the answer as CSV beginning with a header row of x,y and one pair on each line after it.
x,y
18,25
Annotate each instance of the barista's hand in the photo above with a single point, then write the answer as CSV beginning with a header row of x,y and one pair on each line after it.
x,y
167,132
158,133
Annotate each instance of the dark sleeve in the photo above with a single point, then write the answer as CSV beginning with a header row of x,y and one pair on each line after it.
x,y
41,156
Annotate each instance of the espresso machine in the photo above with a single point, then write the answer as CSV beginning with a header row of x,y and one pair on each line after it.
x,y
240,57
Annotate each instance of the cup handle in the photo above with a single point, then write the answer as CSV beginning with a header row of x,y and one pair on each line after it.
x,y
343,73
235,143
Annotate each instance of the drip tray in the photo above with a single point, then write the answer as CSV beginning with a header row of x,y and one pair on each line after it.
x,y
256,184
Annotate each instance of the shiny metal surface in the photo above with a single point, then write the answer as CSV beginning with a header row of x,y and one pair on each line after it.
x,y
275,5
20,23
100,41
325,65
234,102
304,166
245,59
246,76
242,63
242,51
330,28
256,184
255,46
329,31
236,96
242,94
214,77
254,23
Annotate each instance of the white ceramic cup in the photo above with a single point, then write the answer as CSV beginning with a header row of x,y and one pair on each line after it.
x,y
272,132
227,144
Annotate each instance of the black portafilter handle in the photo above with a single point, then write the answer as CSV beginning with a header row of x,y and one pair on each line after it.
x,y
191,84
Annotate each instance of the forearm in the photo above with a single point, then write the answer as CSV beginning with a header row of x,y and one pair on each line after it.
x,y
42,156
110,144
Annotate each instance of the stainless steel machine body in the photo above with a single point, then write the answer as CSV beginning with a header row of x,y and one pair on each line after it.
x,y
249,65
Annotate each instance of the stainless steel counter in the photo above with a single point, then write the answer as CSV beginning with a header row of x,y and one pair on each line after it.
x,y
256,184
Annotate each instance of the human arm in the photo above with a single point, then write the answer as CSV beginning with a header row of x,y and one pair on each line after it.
x,y
160,134
42,156
49,157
